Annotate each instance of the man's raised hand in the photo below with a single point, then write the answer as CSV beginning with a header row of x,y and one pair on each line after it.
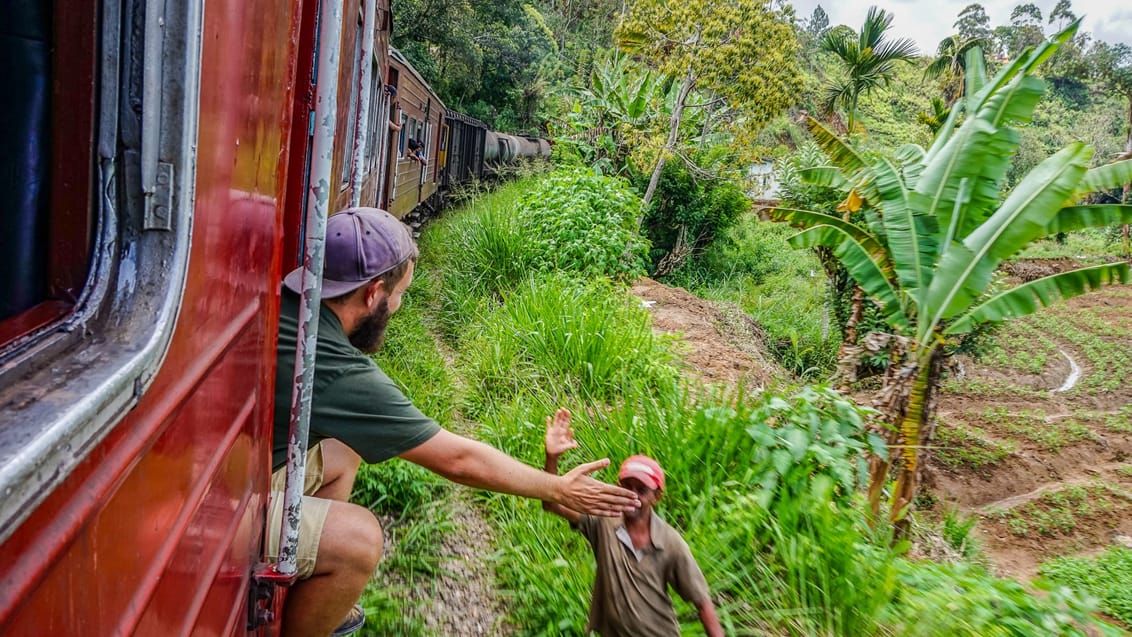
x,y
559,435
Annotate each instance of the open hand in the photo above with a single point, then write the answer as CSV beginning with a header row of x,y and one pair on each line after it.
x,y
559,434
582,493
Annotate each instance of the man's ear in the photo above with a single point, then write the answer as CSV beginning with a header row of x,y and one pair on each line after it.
x,y
373,291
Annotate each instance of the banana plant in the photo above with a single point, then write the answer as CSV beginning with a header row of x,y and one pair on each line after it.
x,y
937,225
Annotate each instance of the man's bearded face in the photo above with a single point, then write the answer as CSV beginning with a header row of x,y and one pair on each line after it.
x,y
369,335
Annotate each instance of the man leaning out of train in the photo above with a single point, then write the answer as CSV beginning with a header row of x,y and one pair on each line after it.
x,y
358,414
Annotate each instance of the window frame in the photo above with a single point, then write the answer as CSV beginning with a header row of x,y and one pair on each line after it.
x,y
71,382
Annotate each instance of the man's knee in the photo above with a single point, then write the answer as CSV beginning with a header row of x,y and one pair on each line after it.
x,y
351,538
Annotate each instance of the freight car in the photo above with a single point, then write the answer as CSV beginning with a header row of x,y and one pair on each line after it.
x,y
162,163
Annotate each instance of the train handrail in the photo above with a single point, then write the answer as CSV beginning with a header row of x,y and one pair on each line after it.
x,y
318,202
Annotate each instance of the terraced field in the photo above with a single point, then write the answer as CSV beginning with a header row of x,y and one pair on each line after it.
x,y
1036,438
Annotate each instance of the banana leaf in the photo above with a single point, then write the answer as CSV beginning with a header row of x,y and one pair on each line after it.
x,y
867,273
1029,297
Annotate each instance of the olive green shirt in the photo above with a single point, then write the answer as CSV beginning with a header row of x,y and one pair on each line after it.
x,y
630,595
352,401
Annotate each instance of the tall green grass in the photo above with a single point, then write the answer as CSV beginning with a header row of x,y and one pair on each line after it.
x,y
586,339
477,254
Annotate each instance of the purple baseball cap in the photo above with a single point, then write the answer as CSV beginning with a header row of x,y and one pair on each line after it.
x,y
361,243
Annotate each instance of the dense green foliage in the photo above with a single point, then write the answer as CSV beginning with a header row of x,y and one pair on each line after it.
x,y
584,223
688,214
937,224
1107,576
763,488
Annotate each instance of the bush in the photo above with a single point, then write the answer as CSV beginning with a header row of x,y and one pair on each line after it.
x,y
962,600
1108,577
699,210
584,223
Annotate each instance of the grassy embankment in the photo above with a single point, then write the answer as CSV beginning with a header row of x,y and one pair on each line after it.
x,y
764,488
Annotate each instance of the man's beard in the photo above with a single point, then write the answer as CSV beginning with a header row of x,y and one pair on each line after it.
x,y
369,335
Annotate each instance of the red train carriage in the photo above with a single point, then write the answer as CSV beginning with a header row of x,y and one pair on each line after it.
x,y
149,172
160,163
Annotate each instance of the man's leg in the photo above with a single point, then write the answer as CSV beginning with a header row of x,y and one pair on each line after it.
x,y
348,551
339,468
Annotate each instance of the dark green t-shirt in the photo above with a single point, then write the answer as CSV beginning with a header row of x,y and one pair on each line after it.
x,y
352,401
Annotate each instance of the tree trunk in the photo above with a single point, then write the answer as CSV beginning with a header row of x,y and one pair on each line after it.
x,y
916,430
908,404
1125,231
673,137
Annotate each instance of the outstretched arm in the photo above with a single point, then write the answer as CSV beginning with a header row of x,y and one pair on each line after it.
x,y
476,464
559,440
709,619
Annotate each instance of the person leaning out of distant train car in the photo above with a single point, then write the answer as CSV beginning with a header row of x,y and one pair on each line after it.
x,y
416,151
394,108
358,414
639,556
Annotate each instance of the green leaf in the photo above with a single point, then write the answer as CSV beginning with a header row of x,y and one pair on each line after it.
x,y
1029,297
912,239
1107,177
965,274
804,219
857,261
824,176
840,153
1073,218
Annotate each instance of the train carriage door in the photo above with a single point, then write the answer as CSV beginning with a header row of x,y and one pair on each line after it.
x,y
442,155
389,157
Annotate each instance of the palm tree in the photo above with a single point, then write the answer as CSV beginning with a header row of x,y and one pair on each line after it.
x,y
937,226
951,63
869,60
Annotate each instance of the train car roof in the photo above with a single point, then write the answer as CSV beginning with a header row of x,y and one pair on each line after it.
x,y
400,59
467,119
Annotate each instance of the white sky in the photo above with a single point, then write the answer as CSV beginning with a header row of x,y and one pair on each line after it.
x,y
929,22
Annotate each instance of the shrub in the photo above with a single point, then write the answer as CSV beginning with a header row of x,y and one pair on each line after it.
x,y
963,600
580,222
700,210
814,433
1108,577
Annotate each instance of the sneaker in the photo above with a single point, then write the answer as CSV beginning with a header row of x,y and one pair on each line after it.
x,y
353,622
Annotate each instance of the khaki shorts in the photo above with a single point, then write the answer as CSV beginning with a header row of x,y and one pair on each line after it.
x,y
313,515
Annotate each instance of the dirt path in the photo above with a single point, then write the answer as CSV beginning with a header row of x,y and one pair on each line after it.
x,y
464,599
721,343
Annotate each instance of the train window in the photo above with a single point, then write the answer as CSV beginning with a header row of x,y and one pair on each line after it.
x,y
352,112
44,187
376,108
122,78
407,124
